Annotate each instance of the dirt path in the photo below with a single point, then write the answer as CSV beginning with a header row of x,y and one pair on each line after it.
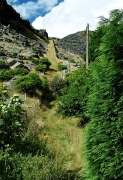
x,y
51,55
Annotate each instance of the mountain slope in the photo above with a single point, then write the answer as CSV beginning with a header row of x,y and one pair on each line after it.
x,y
74,43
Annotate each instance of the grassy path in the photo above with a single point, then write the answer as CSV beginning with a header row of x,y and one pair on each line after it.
x,y
51,55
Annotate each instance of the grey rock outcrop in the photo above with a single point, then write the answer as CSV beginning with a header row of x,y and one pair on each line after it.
x,y
29,46
74,43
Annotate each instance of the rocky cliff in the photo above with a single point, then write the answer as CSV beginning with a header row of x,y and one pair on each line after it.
x,y
8,16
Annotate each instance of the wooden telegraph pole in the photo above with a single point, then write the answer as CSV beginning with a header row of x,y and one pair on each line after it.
x,y
68,62
87,44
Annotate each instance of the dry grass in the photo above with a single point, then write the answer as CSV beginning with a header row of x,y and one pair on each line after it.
x,y
63,138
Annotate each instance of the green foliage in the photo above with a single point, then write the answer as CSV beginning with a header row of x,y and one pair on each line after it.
x,y
30,57
35,50
20,71
42,64
74,96
94,43
2,62
6,75
57,84
34,60
11,122
29,84
41,67
22,155
12,118
45,83
2,53
45,61
30,167
72,60
104,140
61,66
46,40
14,41
14,55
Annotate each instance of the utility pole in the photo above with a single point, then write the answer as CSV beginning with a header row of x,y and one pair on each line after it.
x,y
68,62
87,44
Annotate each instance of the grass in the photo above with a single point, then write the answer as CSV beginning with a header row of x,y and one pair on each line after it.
x,y
62,136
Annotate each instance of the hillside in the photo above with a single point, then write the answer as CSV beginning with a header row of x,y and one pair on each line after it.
x,y
58,138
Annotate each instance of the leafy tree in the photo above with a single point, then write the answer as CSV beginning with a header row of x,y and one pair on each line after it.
x,y
95,39
94,43
104,140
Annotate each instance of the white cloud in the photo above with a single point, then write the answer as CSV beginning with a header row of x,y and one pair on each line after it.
x,y
12,1
31,8
71,16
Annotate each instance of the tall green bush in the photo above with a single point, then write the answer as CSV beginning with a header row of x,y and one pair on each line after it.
x,y
104,140
73,97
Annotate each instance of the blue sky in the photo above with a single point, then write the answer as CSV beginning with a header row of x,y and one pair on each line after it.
x,y
63,17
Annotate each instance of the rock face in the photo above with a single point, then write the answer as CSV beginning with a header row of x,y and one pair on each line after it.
x,y
74,43
8,16
15,48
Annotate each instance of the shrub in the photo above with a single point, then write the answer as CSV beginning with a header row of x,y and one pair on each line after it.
x,y
14,55
29,84
45,61
41,67
72,60
12,120
57,84
6,75
20,71
2,62
61,67
2,53
73,98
